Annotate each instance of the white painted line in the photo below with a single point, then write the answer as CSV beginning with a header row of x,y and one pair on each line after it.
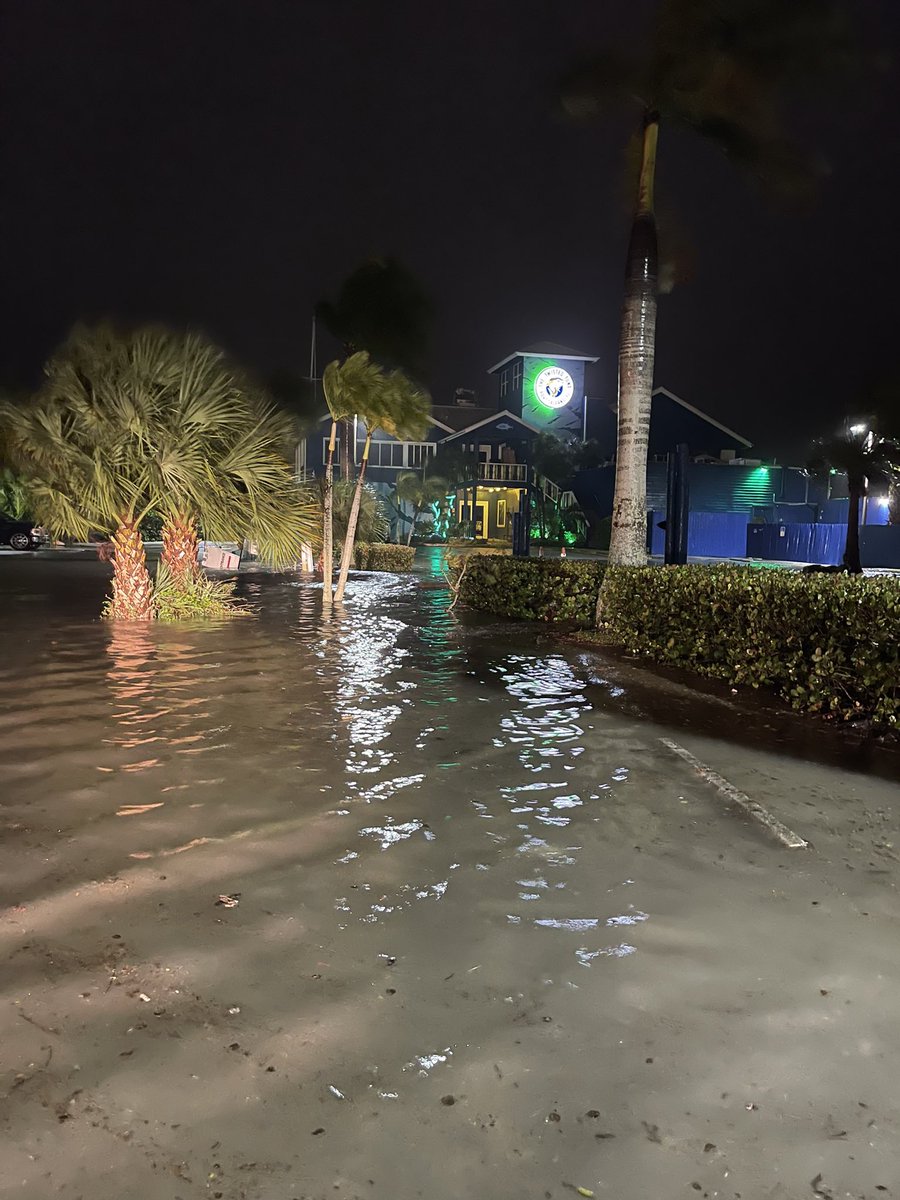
x,y
755,811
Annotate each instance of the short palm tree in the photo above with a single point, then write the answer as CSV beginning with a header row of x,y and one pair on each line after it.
x,y
125,424
864,458
718,68
385,400
81,447
420,491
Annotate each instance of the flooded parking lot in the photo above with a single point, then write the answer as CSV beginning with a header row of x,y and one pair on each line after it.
x,y
401,904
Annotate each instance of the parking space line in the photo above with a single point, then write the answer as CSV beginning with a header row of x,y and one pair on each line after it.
x,y
755,811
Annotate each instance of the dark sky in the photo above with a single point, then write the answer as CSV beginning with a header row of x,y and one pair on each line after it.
x,y
224,164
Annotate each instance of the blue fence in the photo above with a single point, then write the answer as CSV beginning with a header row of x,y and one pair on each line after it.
x,y
879,545
805,543
710,534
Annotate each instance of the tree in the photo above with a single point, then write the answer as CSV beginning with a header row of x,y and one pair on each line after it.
x,y
13,494
126,424
421,491
385,400
339,385
80,447
719,68
219,453
863,457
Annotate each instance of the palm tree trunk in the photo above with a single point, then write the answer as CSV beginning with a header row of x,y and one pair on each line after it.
x,y
132,594
179,549
851,550
348,449
347,548
412,524
637,345
328,521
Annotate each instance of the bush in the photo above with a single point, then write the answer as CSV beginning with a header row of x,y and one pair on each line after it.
x,y
533,589
384,556
201,599
828,644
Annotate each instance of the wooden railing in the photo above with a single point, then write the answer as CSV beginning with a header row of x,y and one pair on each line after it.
x,y
500,472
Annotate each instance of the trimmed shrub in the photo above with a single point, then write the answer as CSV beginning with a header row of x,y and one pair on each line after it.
x,y
533,589
384,556
828,644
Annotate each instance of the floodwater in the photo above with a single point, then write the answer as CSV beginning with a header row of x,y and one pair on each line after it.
x,y
492,937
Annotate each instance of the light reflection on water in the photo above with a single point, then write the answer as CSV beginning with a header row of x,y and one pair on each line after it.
x,y
427,763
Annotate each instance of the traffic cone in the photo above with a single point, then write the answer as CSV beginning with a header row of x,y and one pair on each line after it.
x,y
562,552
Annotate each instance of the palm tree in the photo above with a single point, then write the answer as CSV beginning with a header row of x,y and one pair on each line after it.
x,y
863,457
372,523
385,400
421,491
718,68
127,424
339,383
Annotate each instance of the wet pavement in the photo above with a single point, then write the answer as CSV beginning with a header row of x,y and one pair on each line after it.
x,y
492,938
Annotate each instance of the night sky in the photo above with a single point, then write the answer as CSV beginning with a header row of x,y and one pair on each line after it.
x,y
224,164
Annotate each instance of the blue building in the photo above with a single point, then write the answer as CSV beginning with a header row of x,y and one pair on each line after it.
x,y
539,390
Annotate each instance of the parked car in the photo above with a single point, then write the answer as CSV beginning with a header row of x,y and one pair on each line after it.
x,y
21,535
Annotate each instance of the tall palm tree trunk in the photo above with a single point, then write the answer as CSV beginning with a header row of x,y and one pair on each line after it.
x,y
132,594
637,345
851,550
352,521
179,548
328,521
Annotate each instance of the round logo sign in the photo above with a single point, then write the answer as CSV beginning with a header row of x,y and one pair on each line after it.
x,y
554,387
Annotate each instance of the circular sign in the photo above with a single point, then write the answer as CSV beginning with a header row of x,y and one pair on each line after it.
x,y
554,387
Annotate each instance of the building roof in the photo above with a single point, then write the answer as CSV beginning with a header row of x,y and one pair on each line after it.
x,y
494,416
544,350
702,415
455,417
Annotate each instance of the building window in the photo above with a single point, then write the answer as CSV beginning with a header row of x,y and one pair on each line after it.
x,y
418,453
501,512
517,375
400,454
504,383
337,449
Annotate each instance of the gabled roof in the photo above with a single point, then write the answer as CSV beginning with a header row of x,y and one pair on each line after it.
x,y
702,415
544,350
487,421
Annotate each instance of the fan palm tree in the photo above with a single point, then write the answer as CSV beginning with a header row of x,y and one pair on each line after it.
x,y
385,400
718,68
126,424
863,457
421,491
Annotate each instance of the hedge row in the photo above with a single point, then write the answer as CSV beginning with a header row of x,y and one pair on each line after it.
x,y
383,556
531,589
828,644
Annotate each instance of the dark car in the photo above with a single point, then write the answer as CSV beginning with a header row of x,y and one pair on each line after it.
x,y
21,535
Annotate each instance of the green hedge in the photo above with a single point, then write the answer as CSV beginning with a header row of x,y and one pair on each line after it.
x,y
533,589
384,556
827,643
